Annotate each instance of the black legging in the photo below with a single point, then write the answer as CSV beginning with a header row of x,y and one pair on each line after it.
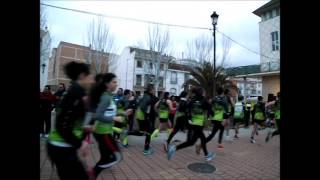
x,y
67,162
180,123
194,133
107,148
246,118
131,120
217,125
45,119
277,131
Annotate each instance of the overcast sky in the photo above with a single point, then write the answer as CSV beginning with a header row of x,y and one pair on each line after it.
x,y
235,20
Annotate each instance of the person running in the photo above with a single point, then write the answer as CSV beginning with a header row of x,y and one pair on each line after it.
x,y
276,108
230,112
217,114
238,115
197,111
105,116
66,138
172,113
181,118
146,115
165,107
47,101
259,117
247,113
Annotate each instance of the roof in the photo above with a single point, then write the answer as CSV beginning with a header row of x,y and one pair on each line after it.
x,y
74,45
180,67
243,70
267,7
261,74
145,51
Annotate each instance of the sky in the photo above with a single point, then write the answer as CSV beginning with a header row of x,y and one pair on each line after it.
x,y
235,20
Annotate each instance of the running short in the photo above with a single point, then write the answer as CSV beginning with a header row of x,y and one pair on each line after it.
x,y
163,120
237,120
260,122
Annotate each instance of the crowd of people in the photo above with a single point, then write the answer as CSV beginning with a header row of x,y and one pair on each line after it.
x,y
89,106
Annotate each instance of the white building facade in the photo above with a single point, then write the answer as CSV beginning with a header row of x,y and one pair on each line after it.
x,y
131,70
45,49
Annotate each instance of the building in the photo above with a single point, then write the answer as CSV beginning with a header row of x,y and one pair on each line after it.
x,y
67,52
45,46
269,30
247,86
135,70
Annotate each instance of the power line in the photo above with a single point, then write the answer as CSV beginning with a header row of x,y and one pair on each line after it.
x,y
157,23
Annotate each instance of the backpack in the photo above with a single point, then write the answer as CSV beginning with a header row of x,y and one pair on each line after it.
x,y
238,111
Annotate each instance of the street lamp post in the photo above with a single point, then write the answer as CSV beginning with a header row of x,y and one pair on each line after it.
x,y
214,18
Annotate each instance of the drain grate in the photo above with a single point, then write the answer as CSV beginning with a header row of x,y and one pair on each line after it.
x,y
202,168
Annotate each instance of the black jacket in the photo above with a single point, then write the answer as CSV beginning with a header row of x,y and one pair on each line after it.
x,y
71,109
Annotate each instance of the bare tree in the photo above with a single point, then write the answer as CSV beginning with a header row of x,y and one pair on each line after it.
x,y
101,41
200,49
45,38
157,42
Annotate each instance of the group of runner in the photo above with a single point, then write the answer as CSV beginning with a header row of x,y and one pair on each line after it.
x,y
89,107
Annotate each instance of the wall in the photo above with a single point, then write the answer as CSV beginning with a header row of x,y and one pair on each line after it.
x,y
270,84
125,69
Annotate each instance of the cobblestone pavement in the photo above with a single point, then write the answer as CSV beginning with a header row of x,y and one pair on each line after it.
x,y
240,160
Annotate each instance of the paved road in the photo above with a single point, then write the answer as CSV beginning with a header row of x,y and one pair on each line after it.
x,y
239,160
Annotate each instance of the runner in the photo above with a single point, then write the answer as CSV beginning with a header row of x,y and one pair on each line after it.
x,y
276,107
247,113
230,112
146,115
181,118
165,107
67,136
238,115
259,117
106,115
217,117
172,113
197,110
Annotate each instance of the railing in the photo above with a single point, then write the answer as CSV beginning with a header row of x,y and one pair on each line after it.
x,y
270,66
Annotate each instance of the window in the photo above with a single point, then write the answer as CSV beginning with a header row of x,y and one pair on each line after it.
x,y
274,13
173,77
161,82
275,41
277,12
138,80
186,77
173,91
269,15
139,64
161,66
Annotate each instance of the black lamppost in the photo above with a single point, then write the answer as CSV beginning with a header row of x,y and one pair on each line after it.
x,y
214,18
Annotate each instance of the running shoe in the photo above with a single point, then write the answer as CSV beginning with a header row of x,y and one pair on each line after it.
x,y
148,152
268,136
252,140
220,146
125,138
198,148
117,159
171,151
210,156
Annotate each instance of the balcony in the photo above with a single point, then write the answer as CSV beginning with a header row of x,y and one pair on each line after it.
x,y
270,66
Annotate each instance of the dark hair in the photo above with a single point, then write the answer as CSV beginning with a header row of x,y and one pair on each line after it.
x,y
98,77
220,90
166,95
126,92
149,87
47,86
260,98
183,94
197,91
240,98
226,91
172,97
99,88
74,69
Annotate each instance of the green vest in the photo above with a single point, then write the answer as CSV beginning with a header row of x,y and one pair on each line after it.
x,y
259,115
164,109
277,110
218,112
198,114
104,127
139,114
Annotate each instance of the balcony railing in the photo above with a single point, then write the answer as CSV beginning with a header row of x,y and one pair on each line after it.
x,y
270,66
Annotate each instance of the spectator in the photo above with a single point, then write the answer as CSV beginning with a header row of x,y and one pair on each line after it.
x,y
59,93
46,106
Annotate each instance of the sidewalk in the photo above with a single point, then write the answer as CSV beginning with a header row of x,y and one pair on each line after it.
x,y
239,160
